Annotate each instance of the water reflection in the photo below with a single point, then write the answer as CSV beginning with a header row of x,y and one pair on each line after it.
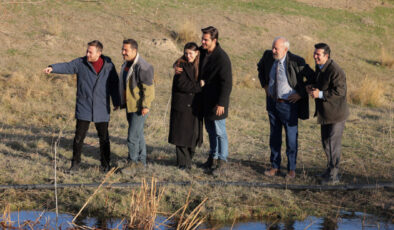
x,y
345,220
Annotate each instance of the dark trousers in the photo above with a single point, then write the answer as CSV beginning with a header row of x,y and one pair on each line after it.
x,y
184,156
283,114
331,137
80,134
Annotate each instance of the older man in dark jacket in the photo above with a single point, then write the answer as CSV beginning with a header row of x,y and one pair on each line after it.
x,y
329,91
97,80
215,71
281,74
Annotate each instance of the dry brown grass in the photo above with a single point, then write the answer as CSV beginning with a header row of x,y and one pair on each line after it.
x,y
144,206
7,223
351,5
34,106
6,218
309,58
386,59
369,92
249,82
192,220
188,32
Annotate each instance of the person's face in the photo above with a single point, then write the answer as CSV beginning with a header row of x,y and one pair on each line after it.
x,y
128,52
206,42
190,55
92,54
279,49
320,57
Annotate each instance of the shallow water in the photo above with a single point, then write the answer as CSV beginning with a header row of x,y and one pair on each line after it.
x,y
346,220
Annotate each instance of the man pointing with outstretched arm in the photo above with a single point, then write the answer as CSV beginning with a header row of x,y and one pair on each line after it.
x,y
97,81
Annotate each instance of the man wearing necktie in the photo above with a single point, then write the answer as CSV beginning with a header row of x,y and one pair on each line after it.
x,y
281,74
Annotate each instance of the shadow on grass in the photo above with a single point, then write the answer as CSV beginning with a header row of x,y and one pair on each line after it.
x,y
160,155
27,143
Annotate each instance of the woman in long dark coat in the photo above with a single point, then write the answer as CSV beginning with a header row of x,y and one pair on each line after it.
x,y
185,119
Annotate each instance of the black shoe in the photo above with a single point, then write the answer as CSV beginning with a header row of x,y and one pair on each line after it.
x,y
208,163
130,164
74,167
330,181
219,167
185,168
325,175
215,164
105,168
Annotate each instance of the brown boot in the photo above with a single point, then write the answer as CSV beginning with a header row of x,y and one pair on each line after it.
x,y
290,175
272,172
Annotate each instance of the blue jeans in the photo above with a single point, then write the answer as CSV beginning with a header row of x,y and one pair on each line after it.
x,y
218,141
135,139
283,114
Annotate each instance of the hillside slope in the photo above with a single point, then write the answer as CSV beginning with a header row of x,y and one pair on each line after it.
x,y
35,108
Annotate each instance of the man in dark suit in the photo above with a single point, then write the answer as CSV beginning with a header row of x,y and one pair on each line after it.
x,y
329,91
281,74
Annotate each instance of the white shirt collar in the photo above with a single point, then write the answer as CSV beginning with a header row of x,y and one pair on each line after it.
x,y
282,60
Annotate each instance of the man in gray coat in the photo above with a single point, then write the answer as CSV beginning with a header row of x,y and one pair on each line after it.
x,y
329,91
97,81
137,93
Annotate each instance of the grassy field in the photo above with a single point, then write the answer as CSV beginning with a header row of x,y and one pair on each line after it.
x,y
35,107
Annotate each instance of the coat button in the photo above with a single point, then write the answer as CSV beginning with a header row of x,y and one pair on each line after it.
x,y
190,94
188,105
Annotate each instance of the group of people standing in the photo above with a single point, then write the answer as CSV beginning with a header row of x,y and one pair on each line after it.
x,y
201,91
282,75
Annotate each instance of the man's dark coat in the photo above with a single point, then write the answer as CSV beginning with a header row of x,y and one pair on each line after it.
x,y
331,79
215,70
296,69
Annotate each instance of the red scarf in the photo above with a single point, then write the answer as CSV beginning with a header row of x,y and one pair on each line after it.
x,y
98,65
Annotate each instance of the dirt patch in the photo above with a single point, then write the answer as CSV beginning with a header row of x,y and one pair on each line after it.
x,y
164,44
355,5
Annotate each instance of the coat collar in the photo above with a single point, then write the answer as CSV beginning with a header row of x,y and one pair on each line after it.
x,y
214,52
105,61
131,67
328,62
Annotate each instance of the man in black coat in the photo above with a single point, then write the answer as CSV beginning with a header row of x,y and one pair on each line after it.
x,y
329,91
281,74
215,71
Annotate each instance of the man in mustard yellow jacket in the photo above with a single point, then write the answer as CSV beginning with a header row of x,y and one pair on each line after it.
x,y
137,93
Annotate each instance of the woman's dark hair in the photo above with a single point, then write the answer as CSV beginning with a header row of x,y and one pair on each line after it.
x,y
191,46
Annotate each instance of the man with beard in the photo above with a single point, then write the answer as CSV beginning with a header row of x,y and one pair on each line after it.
x,y
137,93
